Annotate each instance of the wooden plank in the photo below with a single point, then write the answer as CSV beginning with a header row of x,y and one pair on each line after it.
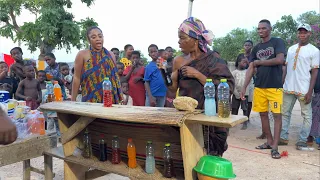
x,y
26,169
93,174
71,171
192,146
148,115
121,169
229,122
26,149
48,170
76,128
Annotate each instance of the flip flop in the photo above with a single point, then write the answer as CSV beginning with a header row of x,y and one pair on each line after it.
x,y
264,146
275,154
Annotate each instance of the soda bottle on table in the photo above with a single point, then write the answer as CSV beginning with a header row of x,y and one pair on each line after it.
x,y
41,124
210,102
116,157
131,150
223,99
87,149
49,86
107,92
57,91
150,161
168,163
103,148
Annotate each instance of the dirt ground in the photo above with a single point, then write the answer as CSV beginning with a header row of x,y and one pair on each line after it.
x,y
248,163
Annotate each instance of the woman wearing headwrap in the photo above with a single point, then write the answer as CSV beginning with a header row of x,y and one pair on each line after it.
x,y
191,71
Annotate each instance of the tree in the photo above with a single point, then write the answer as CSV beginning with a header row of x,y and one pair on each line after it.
x,y
230,46
310,17
286,29
54,27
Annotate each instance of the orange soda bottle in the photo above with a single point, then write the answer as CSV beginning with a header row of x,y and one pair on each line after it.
x,y
131,150
57,91
41,124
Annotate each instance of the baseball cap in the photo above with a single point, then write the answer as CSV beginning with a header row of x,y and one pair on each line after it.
x,y
304,26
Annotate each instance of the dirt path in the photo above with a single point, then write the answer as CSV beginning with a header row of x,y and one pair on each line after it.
x,y
249,164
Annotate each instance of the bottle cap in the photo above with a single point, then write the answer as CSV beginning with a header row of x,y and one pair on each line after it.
x,y
223,80
149,142
167,145
48,82
115,136
106,78
130,140
55,82
208,80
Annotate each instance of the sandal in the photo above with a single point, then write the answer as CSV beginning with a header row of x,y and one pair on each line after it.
x,y
264,146
275,154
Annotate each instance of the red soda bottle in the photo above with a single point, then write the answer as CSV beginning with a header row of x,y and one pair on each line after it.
x,y
116,157
107,92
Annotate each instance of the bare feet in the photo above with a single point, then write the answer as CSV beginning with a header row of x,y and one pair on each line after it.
x,y
8,131
262,136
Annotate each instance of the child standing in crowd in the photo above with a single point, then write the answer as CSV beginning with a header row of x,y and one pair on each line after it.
x,y
134,75
239,76
127,98
41,76
7,83
154,83
128,49
163,55
120,67
29,89
66,78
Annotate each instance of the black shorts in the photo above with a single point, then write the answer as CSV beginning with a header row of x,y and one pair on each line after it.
x,y
236,103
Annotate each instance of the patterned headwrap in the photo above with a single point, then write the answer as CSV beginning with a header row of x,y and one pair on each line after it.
x,y
194,28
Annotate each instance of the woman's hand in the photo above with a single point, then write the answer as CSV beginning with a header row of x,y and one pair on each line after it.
x,y
189,72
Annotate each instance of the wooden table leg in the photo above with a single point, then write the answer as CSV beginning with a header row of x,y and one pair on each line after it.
x,y
192,148
26,170
48,167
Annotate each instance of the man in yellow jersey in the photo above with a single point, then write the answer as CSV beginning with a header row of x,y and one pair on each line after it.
x,y
268,58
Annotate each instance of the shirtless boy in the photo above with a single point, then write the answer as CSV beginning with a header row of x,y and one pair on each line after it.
x,y
29,88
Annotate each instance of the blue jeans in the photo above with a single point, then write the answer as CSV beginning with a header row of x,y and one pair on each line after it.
x,y
306,112
160,101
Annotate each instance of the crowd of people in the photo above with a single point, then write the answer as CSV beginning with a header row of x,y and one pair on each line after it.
x,y
268,78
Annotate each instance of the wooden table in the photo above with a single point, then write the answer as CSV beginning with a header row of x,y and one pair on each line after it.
x,y
182,129
26,149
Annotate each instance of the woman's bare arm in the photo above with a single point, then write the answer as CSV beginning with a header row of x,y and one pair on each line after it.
x,y
78,64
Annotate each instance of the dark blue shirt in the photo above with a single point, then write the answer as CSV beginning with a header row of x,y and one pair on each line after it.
x,y
153,75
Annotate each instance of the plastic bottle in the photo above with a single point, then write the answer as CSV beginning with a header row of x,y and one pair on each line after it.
x,y
223,99
116,157
49,86
57,91
87,149
41,124
150,161
33,123
210,102
131,150
102,148
107,92
168,163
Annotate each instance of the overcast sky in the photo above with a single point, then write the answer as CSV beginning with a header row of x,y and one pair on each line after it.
x,y
145,22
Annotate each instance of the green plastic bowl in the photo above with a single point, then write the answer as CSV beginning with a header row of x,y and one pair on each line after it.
x,y
214,166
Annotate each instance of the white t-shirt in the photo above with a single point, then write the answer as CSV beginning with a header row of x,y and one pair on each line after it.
x,y
239,78
298,76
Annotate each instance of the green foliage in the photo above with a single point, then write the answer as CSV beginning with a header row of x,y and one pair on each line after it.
x,y
54,27
231,45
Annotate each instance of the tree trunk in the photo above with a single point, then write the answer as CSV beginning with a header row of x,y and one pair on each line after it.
x,y
44,49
